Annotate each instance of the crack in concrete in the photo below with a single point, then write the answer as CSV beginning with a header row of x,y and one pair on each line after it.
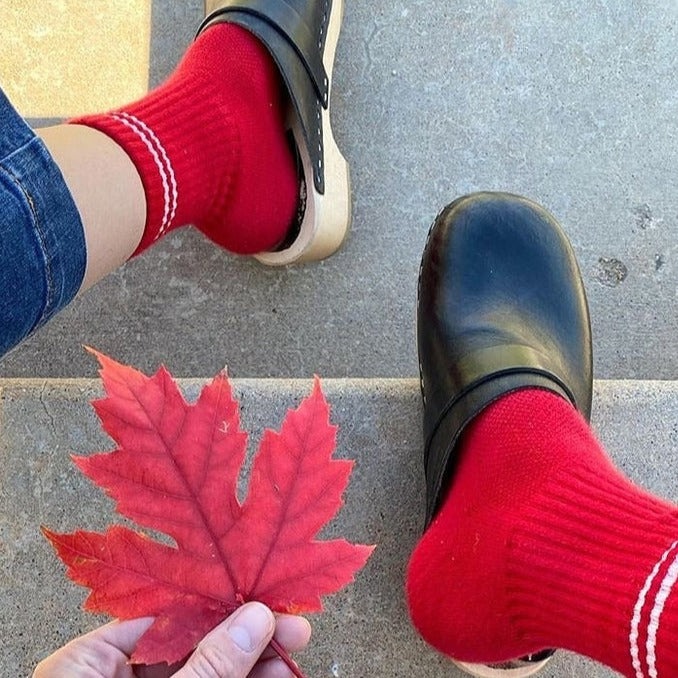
x,y
52,420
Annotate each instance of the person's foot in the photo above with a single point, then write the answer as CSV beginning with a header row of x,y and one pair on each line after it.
x,y
212,144
501,308
301,37
534,539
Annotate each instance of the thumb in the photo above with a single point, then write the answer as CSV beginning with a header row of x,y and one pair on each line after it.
x,y
232,649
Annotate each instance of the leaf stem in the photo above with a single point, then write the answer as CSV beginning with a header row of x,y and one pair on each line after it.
x,y
282,653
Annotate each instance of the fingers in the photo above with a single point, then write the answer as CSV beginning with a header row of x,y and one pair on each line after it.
x,y
122,635
233,648
292,632
229,651
108,647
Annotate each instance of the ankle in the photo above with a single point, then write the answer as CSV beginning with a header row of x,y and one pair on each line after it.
x,y
591,540
543,543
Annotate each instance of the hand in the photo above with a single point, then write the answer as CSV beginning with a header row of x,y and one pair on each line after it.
x,y
237,648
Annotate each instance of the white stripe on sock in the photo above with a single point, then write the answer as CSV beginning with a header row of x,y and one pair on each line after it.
x,y
168,163
154,154
638,610
660,601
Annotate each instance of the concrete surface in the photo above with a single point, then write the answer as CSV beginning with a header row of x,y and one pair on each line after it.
x,y
63,55
572,104
364,631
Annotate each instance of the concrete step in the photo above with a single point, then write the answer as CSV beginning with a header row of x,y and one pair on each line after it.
x,y
431,100
365,629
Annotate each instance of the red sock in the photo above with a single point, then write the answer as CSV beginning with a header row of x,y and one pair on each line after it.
x,y
542,543
210,145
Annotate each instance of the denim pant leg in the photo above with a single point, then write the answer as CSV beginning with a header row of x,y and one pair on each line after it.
x,y
42,242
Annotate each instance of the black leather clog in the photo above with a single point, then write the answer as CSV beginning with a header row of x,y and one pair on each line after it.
x,y
501,307
301,37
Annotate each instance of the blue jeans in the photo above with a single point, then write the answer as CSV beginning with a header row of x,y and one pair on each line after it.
x,y
42,242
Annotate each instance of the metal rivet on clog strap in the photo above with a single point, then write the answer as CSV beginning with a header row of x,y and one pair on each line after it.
x,y
323,26
321,44
320,139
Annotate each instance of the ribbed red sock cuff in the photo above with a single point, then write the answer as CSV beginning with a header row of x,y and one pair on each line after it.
x,y
184,150
591,567
542,543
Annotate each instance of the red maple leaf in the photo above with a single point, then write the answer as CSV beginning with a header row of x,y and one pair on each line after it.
x,y
176,471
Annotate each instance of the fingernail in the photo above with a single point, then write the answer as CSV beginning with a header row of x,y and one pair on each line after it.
x,y
250,625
